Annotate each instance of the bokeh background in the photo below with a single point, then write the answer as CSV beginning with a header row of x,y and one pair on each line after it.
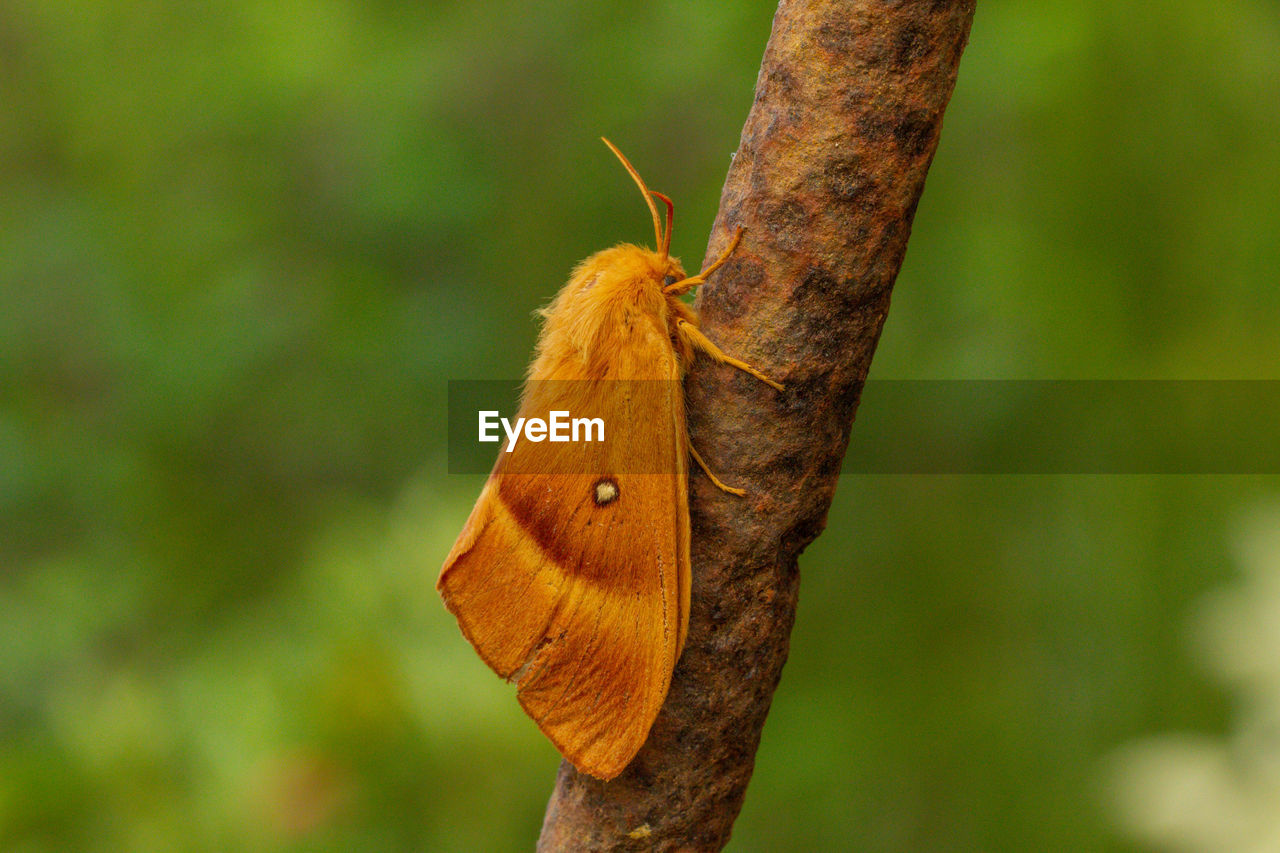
x,y
244,245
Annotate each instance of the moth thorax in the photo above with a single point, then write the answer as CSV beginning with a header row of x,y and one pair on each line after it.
x,y
606,491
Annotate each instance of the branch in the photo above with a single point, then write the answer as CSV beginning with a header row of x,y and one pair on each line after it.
x,y
832,162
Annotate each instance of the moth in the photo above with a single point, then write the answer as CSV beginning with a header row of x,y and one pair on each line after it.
x,y
575,583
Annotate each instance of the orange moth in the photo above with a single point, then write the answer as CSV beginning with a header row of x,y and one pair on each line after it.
x,y
575,584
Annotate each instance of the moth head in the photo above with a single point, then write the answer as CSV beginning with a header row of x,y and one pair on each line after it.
x,y
667,270
673,272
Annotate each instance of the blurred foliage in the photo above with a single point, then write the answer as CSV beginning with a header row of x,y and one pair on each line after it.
x,y
1200,794
243,246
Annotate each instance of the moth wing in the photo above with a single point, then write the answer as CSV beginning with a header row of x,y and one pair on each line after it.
x,y
584,602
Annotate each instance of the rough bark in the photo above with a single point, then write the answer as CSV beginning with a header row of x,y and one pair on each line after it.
x,y
831,164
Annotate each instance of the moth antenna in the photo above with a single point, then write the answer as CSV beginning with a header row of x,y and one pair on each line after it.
x,y
671,215
653,208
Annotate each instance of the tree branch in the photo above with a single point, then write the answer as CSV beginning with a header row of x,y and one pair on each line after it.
x,y
831,164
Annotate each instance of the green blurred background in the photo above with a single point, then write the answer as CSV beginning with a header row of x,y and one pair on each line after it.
x,y
244,245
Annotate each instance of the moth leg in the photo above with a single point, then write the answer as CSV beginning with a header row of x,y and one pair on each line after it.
x,y
694,337
685,285
714,479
